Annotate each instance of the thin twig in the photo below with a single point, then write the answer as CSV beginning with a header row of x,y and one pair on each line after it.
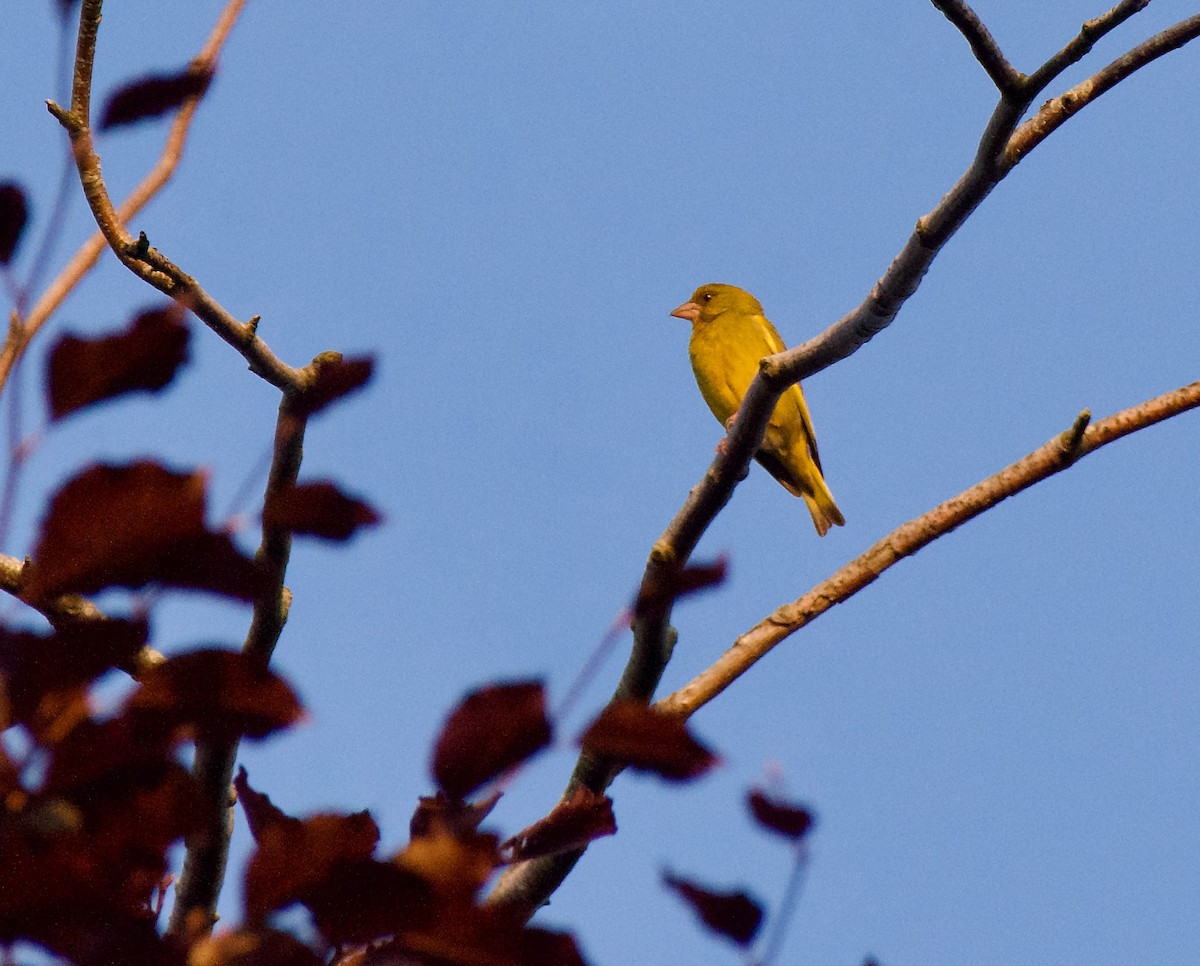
x,y
1081,45
983,45
137,254
1057,110
68,610
85,259
1059,454
207,854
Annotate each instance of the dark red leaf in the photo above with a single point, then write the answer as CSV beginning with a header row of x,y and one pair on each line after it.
x,y
130,824
152,95
214,694
784,818
571,825
253,947
319,509
335,377
473,936
293,857
14,212
144,357
34,666
455,862
658,593
94,753
634,734
129,526
442,811
732,914
363,900
260,810
492,729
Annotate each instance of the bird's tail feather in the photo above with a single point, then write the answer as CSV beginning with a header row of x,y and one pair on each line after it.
x,y
825,513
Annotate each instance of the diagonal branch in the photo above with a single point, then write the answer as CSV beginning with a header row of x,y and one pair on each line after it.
x,y
137,254
68,610
983,45
23,331
1057,110
207,855
1081,44
1055,456
526,886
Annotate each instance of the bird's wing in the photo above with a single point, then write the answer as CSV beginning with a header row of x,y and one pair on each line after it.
x,y
770,334
793,393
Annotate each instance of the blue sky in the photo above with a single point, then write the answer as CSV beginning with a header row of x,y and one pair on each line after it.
x,y
503,203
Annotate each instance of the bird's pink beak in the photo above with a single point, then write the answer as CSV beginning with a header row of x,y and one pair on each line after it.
x,y
689,311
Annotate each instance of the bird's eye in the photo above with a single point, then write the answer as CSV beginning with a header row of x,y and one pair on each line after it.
x,y
706,297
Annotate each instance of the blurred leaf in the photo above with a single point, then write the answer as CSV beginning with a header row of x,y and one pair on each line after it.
x,y
335,377
34,666
784,818
454,861
152,95
14,213
440,810
252,947
260,810
634,734
571,825
473,936
656,596
106,751
319,509
293,857
361,900
492,729
732,914
215,695
144,357
129,526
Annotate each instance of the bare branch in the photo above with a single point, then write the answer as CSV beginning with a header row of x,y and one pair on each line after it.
x,y
1053,457
200,882
84,260
527,885
1055,112
983,45
137,254
1081,45
67,609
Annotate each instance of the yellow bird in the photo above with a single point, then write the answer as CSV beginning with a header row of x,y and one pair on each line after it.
x,y
730,335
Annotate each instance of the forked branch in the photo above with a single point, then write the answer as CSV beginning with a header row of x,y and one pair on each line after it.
x,y
1055,456
1003,142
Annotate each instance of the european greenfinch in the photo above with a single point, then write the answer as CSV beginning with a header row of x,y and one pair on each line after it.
x,y
730,335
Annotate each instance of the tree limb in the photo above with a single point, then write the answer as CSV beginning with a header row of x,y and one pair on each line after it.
x,y
526,886
983,44
1055,456
1055,112
22,332
196,895
137,254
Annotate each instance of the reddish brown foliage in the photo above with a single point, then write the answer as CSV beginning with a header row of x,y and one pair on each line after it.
x,y
732,914
81,372
492,729
632,734
318,509
152,95
790,820
128,526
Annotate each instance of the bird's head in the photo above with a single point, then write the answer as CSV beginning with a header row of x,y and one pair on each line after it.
x,y
709,301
